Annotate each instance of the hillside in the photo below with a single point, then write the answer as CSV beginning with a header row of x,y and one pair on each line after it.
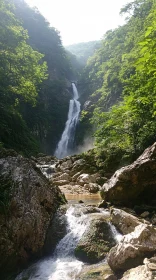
x,y
119,84
84,50
35,77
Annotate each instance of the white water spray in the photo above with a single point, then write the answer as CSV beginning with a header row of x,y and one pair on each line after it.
x,y
63,265
65,145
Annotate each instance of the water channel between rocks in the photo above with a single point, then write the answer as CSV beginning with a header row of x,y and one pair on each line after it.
x,y
63,265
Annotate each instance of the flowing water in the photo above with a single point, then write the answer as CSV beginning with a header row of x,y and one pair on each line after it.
x,y
63,265
66,143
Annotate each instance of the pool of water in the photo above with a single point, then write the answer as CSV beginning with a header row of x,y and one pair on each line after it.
x,y
86,198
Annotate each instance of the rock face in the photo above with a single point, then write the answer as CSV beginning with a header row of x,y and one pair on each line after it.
x,y
135,183
28,202
100,272
96,241
56,231
133,247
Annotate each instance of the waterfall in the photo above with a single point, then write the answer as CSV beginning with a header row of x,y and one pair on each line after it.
x,y
66,142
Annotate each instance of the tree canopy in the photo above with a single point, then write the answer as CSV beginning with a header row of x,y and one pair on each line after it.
x,y
121,74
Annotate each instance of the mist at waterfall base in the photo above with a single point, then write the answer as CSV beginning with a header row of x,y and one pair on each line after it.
x,y
65,146
88,144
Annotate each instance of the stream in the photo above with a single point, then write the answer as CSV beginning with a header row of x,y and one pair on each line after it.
x,y
63,265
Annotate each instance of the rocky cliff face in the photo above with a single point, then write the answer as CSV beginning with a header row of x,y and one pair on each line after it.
x,y
28,202
135,183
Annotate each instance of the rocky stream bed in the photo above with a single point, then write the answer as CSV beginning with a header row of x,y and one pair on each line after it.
x,y
86,238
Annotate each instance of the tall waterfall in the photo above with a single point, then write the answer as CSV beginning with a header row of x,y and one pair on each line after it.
x,y
66,142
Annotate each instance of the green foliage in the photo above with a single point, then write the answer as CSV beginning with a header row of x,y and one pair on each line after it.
x,y
47,119
124,115
22,70
34,90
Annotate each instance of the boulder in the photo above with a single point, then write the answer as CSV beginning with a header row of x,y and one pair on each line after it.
x,y
92,187
145,214
142,272
63,176
137,273
96,241
86,179
28,202
75,176
98,272
124,221
135,183
133,247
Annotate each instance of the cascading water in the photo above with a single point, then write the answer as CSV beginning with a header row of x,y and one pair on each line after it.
x,y
63,265
65,145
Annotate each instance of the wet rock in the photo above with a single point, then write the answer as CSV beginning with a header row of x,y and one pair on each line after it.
x,y
124,221
96,241
56,231
133,248
27,207
99,272
102,204
135,183
90,210
80,201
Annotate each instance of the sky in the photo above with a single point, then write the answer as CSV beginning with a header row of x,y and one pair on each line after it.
x,y
81,20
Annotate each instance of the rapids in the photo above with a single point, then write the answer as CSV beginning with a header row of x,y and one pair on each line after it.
x,y
63,265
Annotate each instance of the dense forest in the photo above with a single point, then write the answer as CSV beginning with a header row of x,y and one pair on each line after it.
x,y
119,84
35,75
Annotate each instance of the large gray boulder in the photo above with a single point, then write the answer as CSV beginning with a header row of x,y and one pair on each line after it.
x,y
28,202
135,183
96,241
133,248
124,221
